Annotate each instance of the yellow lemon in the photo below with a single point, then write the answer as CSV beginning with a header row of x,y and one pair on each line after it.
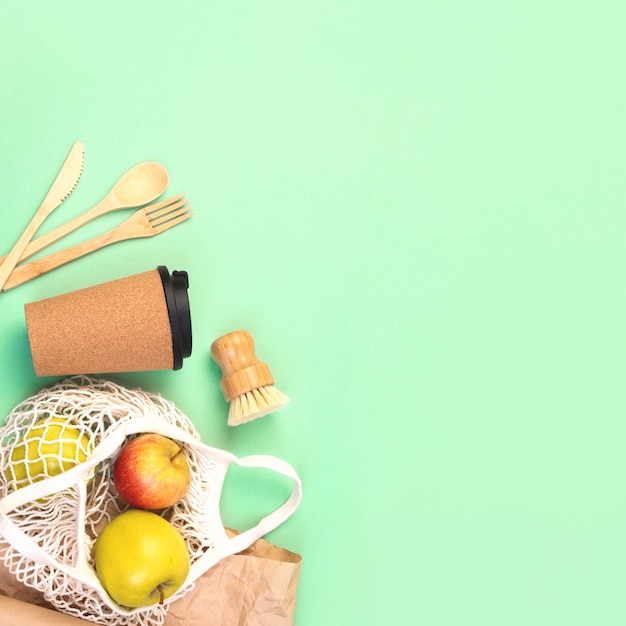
x,y
51,446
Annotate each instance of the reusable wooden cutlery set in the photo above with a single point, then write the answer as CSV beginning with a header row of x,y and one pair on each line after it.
x,y
138,187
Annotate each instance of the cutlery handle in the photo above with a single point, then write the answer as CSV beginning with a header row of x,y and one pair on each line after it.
x,y
35,268
12,259
36,245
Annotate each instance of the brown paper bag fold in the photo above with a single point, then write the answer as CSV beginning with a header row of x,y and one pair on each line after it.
x,y
256,587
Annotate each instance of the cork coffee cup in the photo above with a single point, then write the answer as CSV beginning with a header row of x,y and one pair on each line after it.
x,y
138,323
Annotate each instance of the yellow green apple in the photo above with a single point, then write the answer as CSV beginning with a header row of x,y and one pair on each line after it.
x,y
140,558
151,472
50,446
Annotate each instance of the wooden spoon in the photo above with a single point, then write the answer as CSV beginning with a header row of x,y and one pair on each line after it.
x,y
138,186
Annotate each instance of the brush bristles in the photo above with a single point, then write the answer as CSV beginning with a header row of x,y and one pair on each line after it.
x,y
256,403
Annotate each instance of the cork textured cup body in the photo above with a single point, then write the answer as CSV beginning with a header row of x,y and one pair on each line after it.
x,y
123,325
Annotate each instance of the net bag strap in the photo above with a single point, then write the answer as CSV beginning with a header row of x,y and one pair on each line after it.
x,y
244,540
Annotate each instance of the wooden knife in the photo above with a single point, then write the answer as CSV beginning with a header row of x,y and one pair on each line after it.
x,y
63,185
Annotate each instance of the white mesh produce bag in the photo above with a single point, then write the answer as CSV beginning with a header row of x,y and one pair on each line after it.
x,y
48,527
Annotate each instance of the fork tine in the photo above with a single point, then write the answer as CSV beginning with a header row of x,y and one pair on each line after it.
x,y
156,210
164,225
171,211
167,214
152,208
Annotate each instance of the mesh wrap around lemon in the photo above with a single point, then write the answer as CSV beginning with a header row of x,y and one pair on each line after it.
x,y
51,446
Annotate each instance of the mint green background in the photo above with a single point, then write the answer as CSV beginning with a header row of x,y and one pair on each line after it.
x,y
417,209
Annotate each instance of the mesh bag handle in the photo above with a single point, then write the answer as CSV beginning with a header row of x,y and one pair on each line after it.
x,y
240,542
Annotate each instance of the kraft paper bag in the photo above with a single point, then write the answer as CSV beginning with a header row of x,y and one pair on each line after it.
x,y
256,587
18,613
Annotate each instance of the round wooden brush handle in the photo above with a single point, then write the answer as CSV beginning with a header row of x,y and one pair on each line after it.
x,y
241,369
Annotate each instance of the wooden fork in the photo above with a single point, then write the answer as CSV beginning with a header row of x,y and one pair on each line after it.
x,y
146,222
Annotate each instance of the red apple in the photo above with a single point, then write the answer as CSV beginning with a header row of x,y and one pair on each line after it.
x,y
151,472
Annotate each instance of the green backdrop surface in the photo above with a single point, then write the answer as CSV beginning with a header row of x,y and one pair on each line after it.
x,y
418,210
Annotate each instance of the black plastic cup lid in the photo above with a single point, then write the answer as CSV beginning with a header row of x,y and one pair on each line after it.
x,y
175,286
